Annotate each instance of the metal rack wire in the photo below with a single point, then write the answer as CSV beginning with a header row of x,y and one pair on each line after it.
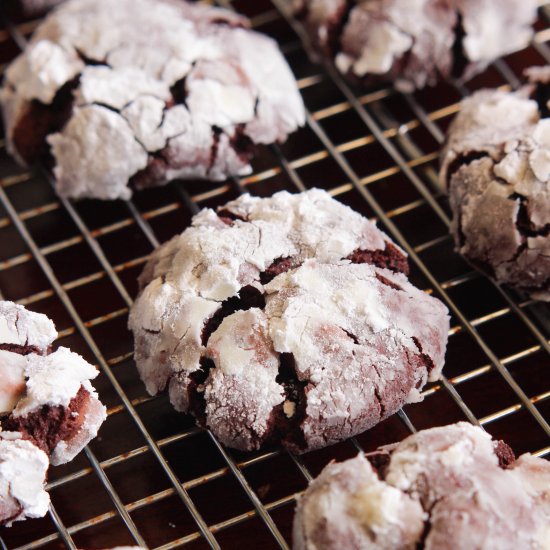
x,y
154,479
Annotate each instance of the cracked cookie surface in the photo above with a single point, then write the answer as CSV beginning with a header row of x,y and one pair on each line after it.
x,y
448,487
285,320
134,93
415,42
496,166
45,395
23,471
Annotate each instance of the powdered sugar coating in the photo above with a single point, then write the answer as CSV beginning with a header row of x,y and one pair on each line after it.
x,y
258,322
414,42
496,164
12,380
75,150
161,90
94,414
21,327
35,381
352,336
54,380
440,485
242,385
23,470
351,498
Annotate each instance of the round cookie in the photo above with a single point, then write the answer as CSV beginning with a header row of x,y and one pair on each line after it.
x,y
496,166
415,42
23,470
439,485
46,396
285,320
134,93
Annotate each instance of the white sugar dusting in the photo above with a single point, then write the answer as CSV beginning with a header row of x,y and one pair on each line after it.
x,y
170,86
496,164
353,334
440,484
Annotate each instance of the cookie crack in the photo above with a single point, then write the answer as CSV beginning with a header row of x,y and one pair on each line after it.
x,y
195,389
287,418
427,524
463,159
380,461
156,166
241,144
377,394
181,339
90,61
178,90
387,282
167,106
389,258
279,266
105,106
229,217
541,94
22,349
118,112
44,119
523,222
248,297
428,509
460,61
216,133
352,336
427,360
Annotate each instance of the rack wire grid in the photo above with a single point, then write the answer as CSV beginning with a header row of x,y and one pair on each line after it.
x,y
152,478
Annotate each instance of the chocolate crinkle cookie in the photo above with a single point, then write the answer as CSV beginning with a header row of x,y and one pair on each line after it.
x,y
285,320
442,488
45,395
496,166
23,471
134,93
415,42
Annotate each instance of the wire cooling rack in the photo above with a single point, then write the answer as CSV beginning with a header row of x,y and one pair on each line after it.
x,y
153,478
